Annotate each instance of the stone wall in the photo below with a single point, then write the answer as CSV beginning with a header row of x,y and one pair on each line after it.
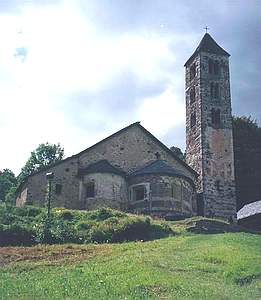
x,y
22,197
209,145
193,134
128,149
65,174
110,190
167,193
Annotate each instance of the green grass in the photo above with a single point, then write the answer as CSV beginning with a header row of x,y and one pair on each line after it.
x,y
190,266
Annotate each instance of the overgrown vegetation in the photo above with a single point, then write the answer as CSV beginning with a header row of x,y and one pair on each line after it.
x,y
247,145
28,225
8,183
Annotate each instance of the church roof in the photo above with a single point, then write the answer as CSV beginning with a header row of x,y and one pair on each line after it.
x,y
158,167
208,44
101,166
250,209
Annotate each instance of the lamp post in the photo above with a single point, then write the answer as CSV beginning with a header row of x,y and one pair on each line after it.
x,y
49,177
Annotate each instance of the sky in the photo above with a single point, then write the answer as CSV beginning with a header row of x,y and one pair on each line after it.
x,y
74,72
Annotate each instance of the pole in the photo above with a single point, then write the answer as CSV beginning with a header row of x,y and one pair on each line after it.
x,y
49,198
49,177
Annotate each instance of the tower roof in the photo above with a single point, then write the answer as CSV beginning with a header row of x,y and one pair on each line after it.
x,y
208,44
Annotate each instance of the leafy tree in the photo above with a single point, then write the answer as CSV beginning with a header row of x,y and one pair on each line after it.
x,y
247,151
44,155
178,152
7,182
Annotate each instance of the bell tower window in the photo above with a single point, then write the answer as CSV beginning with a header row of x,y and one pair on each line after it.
x,y
213,67
214,90
192,95
192,71
193,120
210,66
215,117
216,68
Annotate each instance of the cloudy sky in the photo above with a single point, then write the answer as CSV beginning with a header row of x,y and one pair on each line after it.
x,y
75,71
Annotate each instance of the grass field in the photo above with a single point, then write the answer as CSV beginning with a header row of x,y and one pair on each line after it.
x,y
187,266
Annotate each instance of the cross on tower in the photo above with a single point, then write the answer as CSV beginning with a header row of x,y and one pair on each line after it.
x,y
206,28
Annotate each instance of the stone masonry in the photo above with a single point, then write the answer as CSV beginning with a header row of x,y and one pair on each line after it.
x,y
209,127
128,150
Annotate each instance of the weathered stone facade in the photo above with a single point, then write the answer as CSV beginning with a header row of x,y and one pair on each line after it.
x,y
165,194
102,176
209,127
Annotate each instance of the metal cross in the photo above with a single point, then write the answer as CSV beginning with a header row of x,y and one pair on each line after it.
x,y
206,28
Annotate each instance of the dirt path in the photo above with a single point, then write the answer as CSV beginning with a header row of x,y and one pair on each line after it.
x,y
49,253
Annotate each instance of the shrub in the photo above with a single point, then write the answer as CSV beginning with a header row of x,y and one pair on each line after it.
x,y
64,214
28,224
84,225
160,230
15,235
132,229
28,211
126,229
54,231
100,234
102,214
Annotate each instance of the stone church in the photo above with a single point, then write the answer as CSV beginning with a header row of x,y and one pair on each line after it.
x,y
132,170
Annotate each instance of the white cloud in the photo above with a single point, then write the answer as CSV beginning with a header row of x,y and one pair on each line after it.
x,y
65,54
161,113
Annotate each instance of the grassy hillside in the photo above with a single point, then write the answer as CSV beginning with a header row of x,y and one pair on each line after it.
x,y
188,260
193,266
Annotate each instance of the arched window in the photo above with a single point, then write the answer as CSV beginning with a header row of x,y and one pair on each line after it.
x,y
215,117
212,88
210,66
90,192
216,92
192,95
216,68
192,119
192,71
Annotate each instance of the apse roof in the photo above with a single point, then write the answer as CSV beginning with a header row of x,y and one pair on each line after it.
x,y
158,167
208,44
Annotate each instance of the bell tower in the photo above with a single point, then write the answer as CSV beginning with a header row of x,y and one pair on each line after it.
x,y
209,139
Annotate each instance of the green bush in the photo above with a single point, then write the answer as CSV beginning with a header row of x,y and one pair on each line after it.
x,y
64,214
28,211
84,225
127,229
102,214
15,235
31,225
53,231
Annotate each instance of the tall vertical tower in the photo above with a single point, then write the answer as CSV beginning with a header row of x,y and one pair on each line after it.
x,y
209,139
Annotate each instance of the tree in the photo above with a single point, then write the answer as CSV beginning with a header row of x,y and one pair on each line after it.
x,y
44,155
247,151
7,182
178,152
